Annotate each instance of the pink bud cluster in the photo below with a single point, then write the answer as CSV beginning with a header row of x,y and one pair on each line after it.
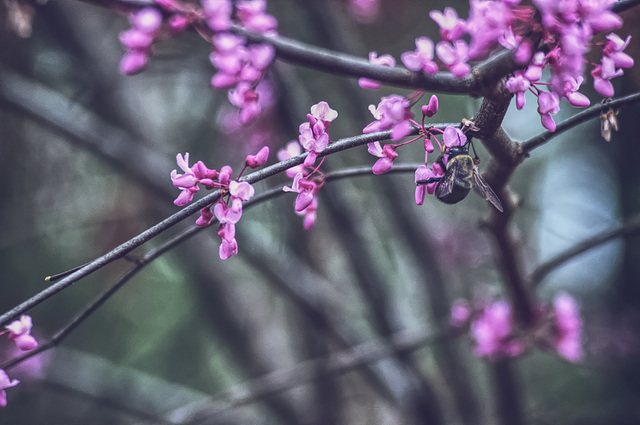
x,y
314,138
20,333
228,210
145,25
148,26
240,66
492,326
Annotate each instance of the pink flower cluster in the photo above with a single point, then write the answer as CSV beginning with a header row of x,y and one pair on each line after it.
x,y
314,138
19,332
228,210
494,332
566,27
240,66
147,27
393,113
137,40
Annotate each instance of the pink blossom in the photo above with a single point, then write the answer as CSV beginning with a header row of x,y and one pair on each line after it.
x,y
454,56
492,332
422,58
451,27
519,85
20,333
374,59
424,173
252,15
314,136
147,19
386,155
548,103
5,382
218,14
133,62
430,109
258,159
568,327
306,191
392,113
453,136
614,49
241,190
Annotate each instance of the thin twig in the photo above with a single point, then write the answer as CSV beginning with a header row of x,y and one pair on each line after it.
x,y
543,270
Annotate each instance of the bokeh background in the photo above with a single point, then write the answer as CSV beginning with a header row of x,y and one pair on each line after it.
x,y
85,158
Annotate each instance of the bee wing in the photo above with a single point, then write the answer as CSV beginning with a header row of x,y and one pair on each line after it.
x,y
445,186
483,189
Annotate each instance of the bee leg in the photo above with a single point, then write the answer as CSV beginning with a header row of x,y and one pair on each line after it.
x,y
429,180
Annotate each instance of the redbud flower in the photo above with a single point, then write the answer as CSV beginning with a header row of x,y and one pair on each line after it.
x,y
568,327
374,59
492,332
218,14
451,27
519,85
548,103
430,109
313,134
422,58
5,382
454,56
386,155
147,19
453,136
20,333
424,173
252,15
392,113
258,159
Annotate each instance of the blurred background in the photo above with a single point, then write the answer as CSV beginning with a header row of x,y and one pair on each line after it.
x,y
86,155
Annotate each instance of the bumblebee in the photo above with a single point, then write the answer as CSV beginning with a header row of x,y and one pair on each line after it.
x,y
460,176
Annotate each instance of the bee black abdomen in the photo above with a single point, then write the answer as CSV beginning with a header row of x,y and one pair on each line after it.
x,y
457,194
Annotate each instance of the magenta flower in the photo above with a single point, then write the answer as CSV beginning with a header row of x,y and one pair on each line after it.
x,y
422,58
218,14
374,59
548,103
5,382
255,161
386,155
20,333
568,327
314,137
492,332
424,173
519,85
455,56
430,109
392,113
453,136
252,15
451,27
145,24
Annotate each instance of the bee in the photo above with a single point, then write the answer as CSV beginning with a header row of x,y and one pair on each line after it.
x,y
460,176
